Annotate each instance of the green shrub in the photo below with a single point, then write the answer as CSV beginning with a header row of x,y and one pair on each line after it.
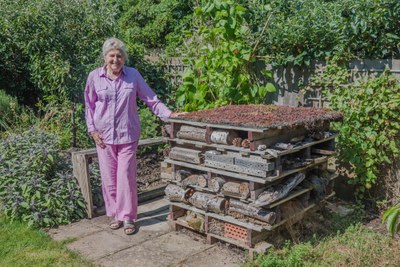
x,y
289,256
14,117
149,124
36,182
368,138
66,120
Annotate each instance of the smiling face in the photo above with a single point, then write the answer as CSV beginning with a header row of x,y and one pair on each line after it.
x,y
114,61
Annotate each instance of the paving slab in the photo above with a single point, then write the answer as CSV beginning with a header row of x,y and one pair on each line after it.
x,y
147,229
155,244
74,230
214,257
166,250
99,245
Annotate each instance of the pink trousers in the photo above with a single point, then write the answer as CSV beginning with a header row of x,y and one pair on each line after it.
x,y
118,175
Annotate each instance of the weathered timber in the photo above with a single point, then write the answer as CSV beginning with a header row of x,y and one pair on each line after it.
x,y
322,152
192,133
216,184
240,190
268,216
185,154
280,190
176,193
207,202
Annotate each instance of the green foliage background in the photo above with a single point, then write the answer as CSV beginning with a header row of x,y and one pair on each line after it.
x,y
48,48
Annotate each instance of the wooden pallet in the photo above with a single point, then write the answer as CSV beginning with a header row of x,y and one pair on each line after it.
x,y
256,136
241,234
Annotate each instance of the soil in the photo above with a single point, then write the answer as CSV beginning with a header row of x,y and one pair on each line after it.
x,y
261,116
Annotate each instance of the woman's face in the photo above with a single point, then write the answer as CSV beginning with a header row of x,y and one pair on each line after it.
x,y
114,60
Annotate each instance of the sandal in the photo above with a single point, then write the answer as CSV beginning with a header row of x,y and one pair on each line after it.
x,y
129,227
115,224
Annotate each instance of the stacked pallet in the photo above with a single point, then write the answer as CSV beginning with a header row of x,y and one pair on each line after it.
x,y
237,173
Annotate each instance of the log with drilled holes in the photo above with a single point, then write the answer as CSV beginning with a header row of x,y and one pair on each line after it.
x,y
240,190
192,133
207,202
176,193
216,184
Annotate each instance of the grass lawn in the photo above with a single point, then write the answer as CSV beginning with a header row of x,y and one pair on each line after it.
x,y
346,242
24,246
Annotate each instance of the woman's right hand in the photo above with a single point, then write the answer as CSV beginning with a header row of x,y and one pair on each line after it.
x,y
98,139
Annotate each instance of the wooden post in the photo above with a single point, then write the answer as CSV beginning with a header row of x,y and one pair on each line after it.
x,y
81,172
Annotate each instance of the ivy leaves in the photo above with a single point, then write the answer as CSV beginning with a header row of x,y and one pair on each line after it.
x,y
221,61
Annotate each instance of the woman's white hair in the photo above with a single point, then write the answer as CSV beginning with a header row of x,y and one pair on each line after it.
x,y
114,43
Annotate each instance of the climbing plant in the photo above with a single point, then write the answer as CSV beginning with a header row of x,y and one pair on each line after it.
x,y
222,69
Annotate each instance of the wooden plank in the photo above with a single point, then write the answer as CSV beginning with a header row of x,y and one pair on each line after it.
x,y
323,152
220,147
142,143
217,126
242,150
81,172
224,218
216,171
152,193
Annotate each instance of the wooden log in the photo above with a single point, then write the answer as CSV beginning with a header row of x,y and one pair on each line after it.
x,y
190,180
180,175
192,133
207,202
236,189
237,141
280,190
202,180
176,193
223,137
268,216
216,184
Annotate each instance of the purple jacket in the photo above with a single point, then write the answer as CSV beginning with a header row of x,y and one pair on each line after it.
x,y
111,107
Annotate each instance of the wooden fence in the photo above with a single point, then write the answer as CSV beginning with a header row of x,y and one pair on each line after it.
x,y
290,80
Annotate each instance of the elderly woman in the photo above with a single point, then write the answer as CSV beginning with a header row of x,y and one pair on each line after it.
x,y
113,122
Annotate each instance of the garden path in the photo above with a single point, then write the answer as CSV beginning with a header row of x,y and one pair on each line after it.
x,y
155,244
